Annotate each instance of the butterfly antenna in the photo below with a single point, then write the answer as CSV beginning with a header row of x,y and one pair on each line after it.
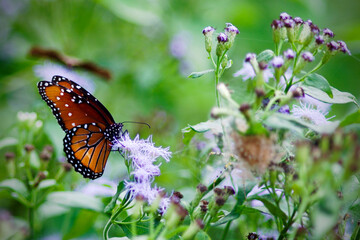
x,y
137,123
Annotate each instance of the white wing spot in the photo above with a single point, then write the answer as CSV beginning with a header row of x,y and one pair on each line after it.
x,y
66,105
58,98
69,114
73,124
62,94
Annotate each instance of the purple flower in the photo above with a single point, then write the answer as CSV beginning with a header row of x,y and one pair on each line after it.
x,y
289,54
314,29
298,20
231,29
284,109
319,39
249,57
208,30
289,23
307,56
308,22
276,24
222,38
284,16
142,154
277,62
247,71
332,46
328,32
343,47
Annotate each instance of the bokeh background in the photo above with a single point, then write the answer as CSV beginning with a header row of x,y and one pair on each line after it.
x,y
150,47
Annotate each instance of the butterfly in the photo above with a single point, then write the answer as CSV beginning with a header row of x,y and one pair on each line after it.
x,y
90,129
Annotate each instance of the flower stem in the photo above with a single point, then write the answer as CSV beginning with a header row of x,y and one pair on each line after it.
x,y
108,225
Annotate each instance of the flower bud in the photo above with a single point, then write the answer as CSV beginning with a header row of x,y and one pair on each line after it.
x,y
284,16
29,148
222,40
244,108
343,48
306,34
193,229
208,32
298,92
200,191
277,62
290,29
223,91
259,92
289,54
228,191
231,31
331,50
328,33
253,236
276,26
305,58
9,156
224,62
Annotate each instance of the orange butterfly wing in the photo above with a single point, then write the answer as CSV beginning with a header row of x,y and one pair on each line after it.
x,y
85,121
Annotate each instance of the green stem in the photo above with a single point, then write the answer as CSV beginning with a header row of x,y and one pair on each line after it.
x,y
226,230
287,226
317,67
108,225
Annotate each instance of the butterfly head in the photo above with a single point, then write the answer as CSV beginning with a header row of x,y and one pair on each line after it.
x,y
114,131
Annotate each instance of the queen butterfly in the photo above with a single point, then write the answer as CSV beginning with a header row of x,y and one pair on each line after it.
x,y
89,127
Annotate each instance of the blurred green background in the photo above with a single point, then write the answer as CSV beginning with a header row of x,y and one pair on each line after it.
x,y
150,47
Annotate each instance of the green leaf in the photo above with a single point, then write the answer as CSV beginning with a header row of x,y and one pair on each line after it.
x,y
112,203
199,74
338,97
84,222
16,186
8,142
136,15
47,183
76,200
319,82
356,233
142,228
351,119
273,209
201,235
285,121
265,56
190,131
243,192
188,134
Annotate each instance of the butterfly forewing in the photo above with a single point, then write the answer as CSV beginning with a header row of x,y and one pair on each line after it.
x,y
81,92
87,149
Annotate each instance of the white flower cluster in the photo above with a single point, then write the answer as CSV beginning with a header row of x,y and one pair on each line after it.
x,y
142,154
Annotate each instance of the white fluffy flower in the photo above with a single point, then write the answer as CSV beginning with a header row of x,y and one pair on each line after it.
x,y
310,113
247,71
142,154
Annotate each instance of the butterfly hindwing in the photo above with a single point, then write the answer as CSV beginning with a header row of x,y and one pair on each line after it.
x,y
87,149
